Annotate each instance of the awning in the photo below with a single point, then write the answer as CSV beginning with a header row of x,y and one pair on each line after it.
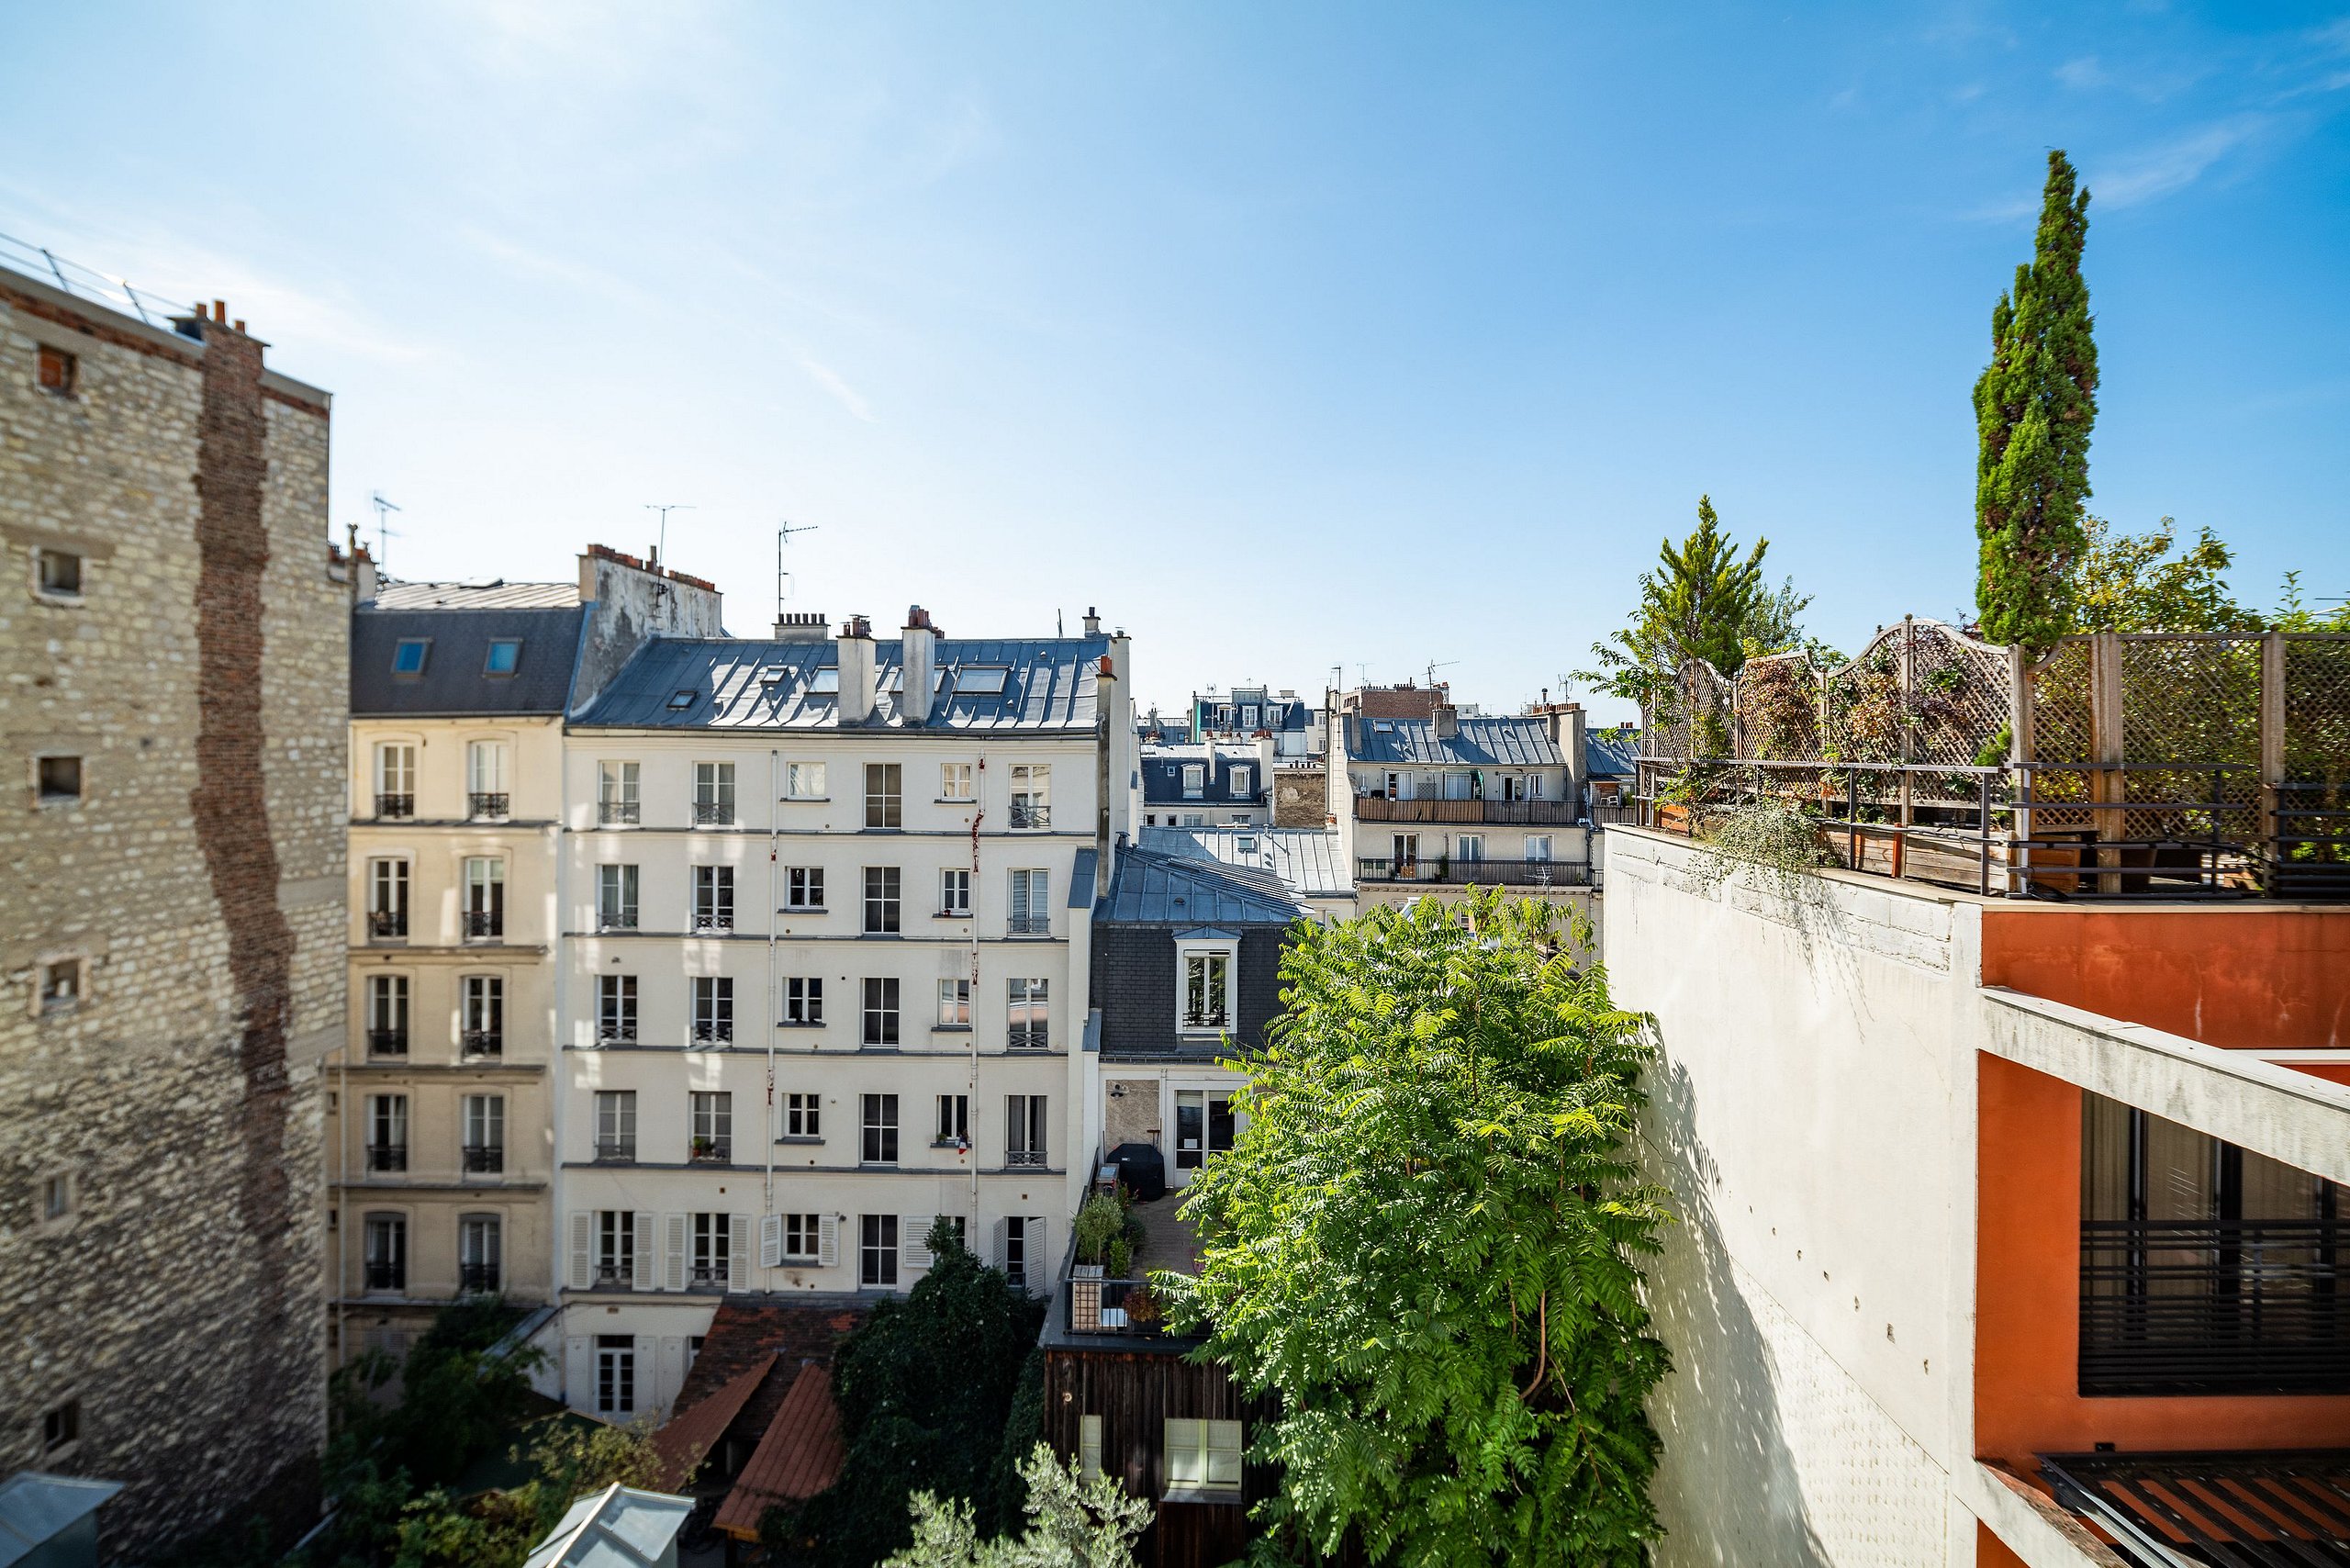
x,y
2289,1509
800,1456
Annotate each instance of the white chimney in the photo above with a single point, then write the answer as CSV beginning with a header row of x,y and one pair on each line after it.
x,y
1092,622
800,626
1448,720
855,646
917,663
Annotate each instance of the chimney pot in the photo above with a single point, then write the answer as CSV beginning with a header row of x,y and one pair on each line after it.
x,y
221,311
1092,622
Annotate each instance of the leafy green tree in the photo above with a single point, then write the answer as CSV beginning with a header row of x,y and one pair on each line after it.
x,y
498,1529
2293,613
2132,582
1072,1523
1425,1242
2035,407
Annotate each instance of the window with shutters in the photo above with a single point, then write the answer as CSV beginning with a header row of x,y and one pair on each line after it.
x,y
1024,1130
885,794
395,782
387,1256
487,788
1032,908
616,1009
955,890
1031,1027
804,781
387,1132
1019,1245
880,1011
481,1015
616,801
713,1244
615,1249
485,1133
711,1113
881,904
388,1015
801,1117
714,897
953,1122
387,898
954,782
954,1005
803,1000
802,1238
878,1143
1203,1459
713,794
877,1249
1088,1446
616,887
615,1374
1203,994
803,888
714,1022
485,911
616,1124
1032,795
480,1238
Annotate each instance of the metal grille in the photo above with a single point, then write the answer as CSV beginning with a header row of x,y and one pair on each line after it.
x,y
2312,854
2289,1509
2213,1306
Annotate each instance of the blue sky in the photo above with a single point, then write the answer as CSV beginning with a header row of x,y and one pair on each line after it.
x,y
1292,336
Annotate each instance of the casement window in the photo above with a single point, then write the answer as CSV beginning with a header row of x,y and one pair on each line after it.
x,y
1088,1447
709,1258
713,1009
505,656
955,890
880,1011
481,1015
1032,795
616,1124
57,575
885,794
877,1249
616,890
1196,779
954,1005
480,1246
1538,846
407,657
60,1197
1023,1122
802,1116
1469,847
1202,1457
802,1237
1021,1253
616,1255
878,1144
1241,782
803,888
57,371
803,999
394,780
62,984
1032,903
485,1133
388,1015
616,1009
713,794
617,804
954,1121
386,1252
1203,1000
486,783
1204,1125
954,782
1405,851
1030,1013
615,1374
485,912
387,898
1193,819
387,1132
1248,717
714,897
803,781
711,1114
881,902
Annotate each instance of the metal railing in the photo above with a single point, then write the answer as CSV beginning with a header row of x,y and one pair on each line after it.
x,y
616,920
482,1041
1029,926
713,813
477,1279
387,1276
395,808
387,1157
713,1033
387,922
1029,1037
617,813
1451,872
717,920
486,803
485,1158
1504,814
2214,1307
616,1033
1031,813
616,1148
707,1277
1112,1306
1035,1157
86,283
388,1042
479,923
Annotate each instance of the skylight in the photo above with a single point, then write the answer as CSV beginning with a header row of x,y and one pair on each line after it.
x,y
682,697
408,657
827,679
983,680
505,656
1383,726
771,675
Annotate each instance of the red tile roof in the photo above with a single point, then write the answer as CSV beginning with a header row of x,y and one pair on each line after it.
x,y
687,1438
800,1456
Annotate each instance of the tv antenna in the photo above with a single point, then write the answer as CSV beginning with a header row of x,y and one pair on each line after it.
x,y
784,531
1435,664
665,508
384,530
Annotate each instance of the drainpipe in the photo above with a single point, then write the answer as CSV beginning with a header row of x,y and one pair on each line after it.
x,y
775,1004
971,1039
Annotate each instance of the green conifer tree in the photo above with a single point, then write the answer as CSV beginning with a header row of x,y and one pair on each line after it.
x,y
2033,408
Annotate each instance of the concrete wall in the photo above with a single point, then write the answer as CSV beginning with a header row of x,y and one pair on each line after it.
x,y
201,676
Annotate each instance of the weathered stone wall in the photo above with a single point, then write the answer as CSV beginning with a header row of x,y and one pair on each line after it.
x,y
201,677
1301,797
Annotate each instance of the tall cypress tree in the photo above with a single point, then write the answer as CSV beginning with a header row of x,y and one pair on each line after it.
x,y
2033,409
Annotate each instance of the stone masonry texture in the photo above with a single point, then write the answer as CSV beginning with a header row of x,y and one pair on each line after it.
x,y
201,676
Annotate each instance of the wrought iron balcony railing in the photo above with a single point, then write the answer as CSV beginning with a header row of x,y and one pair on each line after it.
x,y
1031,814
483,1042
387,922
387,1157
1207,1018
388,1042
715,920
485,1158
395,808
1451,873
480,923
616,1148
617,813
1029,1036
714,1034
2215,1307
620,1033
1030,925
707,1277
710,1151
1499,813
487,803
1025,1156
387,1276
616,920
477,1279
713,813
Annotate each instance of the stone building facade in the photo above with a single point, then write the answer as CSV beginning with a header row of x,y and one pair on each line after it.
x,y
172,680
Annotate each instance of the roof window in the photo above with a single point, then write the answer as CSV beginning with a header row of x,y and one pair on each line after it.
x,y
986,680
827,679
771,675
681,698
1383,726
505,656
407,659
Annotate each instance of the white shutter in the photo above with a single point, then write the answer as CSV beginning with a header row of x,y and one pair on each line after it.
x,y
673,1252
1088,1446
828,1241
1039,1260
641,1276
913,1241
738,1251
1000,1257
578,1373
771,1241
1020,895
582,1249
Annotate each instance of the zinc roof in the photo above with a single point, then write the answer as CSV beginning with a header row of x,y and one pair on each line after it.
x,y
1162,774
455,677
617,1528
1148,888
1306,859
1609,753
499,595
1479,742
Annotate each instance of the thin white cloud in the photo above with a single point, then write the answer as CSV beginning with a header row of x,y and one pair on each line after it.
x,y
2176,164
848,397
2083,73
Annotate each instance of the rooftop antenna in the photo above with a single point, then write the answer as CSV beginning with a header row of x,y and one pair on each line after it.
x,y
383,531
784,531
1363,671
1434,666
662,549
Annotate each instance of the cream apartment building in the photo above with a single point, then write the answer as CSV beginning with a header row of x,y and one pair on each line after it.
x,y
825,972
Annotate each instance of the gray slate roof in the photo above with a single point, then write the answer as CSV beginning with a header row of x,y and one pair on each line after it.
x,y
1480,743
1306,859
1148,888
453,681
1049,684
1609,753
1162,774
499,595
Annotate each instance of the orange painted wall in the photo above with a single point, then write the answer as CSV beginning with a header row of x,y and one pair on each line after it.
x,y
1990,1552
2027,1309
2232,975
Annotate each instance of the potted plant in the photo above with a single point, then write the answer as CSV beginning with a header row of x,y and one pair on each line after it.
x,y
705,1149
1121,1257
1142,1307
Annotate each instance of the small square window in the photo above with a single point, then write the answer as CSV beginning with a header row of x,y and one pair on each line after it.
x,y
59,371
58,573
56,1198
682,697
408,657
60,779
505,656
62,1426
61,985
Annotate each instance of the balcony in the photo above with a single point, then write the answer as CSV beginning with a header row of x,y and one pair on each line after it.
x,y
624,1034
710,1151
479,925
395,808
1029,926
1031,814
2214,1308
1029,1037
1032,1158
387,1276
1481,873
1499,813
1114,1306
717,920
616,920
616,1150
714,1034
713,813
615,1276
477,1279
485,1158
707,1277
617,813
1205,1019
487,803
385,922
483,1042
388,1042
387,1157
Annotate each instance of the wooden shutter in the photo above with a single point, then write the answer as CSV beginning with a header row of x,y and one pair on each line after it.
x,y
578,1373
1224,1455
641,1275
1001,1257
582,1249
738,1251
1039,1260
913,1241
771,1241
828,1241
1186,1457
675,1244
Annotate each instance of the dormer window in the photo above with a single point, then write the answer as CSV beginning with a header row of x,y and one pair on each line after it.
x,y
1195,778
408,658
1241,779
505,656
